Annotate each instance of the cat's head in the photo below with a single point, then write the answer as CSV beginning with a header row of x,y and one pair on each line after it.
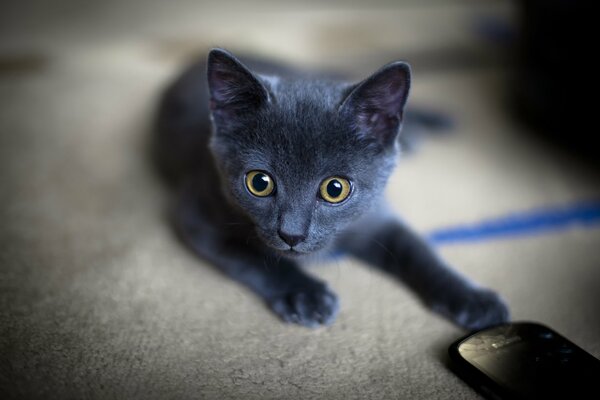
x,y
303,158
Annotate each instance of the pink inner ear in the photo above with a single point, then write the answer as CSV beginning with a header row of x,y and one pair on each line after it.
x,y
382,103
379,107
394,86
389,99
222,86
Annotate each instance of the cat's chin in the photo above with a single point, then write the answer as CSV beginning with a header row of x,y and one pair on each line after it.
x,y
293,253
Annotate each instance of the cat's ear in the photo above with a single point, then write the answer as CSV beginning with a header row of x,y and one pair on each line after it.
x,y
376,105
234,89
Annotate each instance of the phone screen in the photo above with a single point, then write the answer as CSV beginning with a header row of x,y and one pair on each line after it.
x,y
531,361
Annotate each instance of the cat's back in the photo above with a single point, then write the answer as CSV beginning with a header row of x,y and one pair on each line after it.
x,y
182,125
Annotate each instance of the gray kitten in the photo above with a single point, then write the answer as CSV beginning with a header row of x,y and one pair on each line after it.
x,y
274,166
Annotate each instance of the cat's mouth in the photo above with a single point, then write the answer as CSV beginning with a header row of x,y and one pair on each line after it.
x,y
300,251
292,251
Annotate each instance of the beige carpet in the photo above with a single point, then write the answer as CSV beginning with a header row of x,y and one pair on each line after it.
x,y
99,300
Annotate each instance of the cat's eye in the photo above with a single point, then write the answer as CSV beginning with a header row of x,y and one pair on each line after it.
x,y
259,183
335,189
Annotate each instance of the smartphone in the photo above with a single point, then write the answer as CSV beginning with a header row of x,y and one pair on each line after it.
x,y
525,360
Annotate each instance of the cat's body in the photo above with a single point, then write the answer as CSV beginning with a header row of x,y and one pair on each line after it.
x,y
290,166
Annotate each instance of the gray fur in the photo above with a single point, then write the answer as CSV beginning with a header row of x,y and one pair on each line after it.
x,y
300,129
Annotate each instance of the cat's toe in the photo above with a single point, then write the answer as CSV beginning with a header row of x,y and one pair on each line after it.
x,y
477,309
310,307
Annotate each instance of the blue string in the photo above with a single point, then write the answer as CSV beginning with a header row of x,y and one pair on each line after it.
x,y
585,213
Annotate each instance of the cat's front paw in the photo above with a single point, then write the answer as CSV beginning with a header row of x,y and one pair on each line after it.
x,y
311,306
475,309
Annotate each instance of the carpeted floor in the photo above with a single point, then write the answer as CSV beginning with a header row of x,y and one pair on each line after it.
x,y
99,300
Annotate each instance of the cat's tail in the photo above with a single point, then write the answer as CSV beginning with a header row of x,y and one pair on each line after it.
x,y
421,122
430,120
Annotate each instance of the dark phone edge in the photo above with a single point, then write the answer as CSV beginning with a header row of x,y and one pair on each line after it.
x,y
477,379
482,383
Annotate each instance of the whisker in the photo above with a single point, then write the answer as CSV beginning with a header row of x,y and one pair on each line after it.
x,y
384,247
379,244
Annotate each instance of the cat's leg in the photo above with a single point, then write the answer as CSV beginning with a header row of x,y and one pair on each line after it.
x,y
388,243
289,291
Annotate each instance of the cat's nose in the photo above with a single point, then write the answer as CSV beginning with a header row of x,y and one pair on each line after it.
x,y
290,238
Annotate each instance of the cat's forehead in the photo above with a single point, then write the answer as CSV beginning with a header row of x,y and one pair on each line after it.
x,y
300,134
297,95
301,129
299,155
302,112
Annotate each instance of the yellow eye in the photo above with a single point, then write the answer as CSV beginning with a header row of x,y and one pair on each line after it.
x,y
335,189
259,183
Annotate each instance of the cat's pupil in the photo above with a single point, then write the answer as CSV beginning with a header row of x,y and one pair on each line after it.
x,y
260,182
334,188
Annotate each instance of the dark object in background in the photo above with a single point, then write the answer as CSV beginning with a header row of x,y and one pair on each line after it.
x,y
554,75
525,360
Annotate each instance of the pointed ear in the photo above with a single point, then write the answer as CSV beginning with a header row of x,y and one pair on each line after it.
x,y
234,90
376,105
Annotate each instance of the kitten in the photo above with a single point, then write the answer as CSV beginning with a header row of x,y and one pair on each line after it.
x,y
274,166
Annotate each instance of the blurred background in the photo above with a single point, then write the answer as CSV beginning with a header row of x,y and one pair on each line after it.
x,y
98,299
